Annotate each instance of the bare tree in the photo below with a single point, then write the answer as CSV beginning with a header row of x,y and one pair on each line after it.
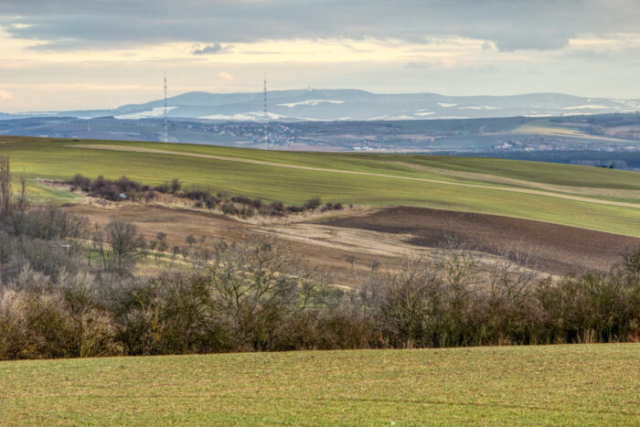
x,y
120,246
631,262
5,186
458,267
513,276
257,284
23,202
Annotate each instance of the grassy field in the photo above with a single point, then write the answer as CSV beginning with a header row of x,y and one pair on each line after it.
x,y
594,198
576,385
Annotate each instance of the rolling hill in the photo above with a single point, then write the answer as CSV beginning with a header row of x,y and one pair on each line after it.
x,y
346,104
593,198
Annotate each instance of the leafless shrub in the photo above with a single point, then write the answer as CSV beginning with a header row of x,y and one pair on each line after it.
x,y
259,296
119,246
5,186
313,203
256,284
631,262
49,223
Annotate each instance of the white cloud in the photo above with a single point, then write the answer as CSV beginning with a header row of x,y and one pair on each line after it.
x,y
225,76
5,95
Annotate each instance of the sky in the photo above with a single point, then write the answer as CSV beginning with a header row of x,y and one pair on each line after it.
x,y
95,54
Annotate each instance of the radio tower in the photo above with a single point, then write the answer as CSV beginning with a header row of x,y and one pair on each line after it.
x,y
165,136
266,114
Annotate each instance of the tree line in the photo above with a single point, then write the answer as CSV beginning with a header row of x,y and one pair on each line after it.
x,y
63,294
72,289
124,188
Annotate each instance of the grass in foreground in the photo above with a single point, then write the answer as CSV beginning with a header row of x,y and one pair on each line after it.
x,y
542,385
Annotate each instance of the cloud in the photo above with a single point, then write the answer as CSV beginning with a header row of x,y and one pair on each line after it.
x,y
5,95
534,41
509,24
210,49
225,76
432,64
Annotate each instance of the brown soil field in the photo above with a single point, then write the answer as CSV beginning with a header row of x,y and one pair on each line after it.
x,y
555,249
322,246
384,236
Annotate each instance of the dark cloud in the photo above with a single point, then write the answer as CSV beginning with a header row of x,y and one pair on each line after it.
x,y
508,24
534,41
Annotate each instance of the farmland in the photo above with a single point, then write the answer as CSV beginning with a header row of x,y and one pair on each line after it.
x,y
557,249
569,385
587,197
542,385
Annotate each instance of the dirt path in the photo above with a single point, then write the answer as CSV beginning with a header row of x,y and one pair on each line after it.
x,y
558,249
377,175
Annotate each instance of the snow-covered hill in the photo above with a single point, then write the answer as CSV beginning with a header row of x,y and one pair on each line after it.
x,y
345,104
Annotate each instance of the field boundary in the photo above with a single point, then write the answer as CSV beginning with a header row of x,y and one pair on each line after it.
x,y
372,174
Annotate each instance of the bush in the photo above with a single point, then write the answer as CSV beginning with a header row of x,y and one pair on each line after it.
x,y
119,246
175,186
257,295
48,223
631,262
149,195
277,206
79,182
248,211
204,197
242,199
98,184
313,203
125,185
126,189
110,192
230,209
164,188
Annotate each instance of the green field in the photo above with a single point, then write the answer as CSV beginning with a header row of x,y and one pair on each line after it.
x,y
594,198
576,385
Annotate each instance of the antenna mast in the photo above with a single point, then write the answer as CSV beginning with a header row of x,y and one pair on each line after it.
x,y
266,114
165,136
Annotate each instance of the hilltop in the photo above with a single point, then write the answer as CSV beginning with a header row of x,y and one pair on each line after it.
x,y
349,104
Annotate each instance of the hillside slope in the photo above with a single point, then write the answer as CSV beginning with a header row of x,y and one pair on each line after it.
x,y
586,197
541,385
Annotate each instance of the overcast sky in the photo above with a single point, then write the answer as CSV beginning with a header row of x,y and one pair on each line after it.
x,y
76,54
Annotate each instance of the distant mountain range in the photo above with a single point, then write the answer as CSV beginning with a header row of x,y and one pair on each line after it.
x,y
344,105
